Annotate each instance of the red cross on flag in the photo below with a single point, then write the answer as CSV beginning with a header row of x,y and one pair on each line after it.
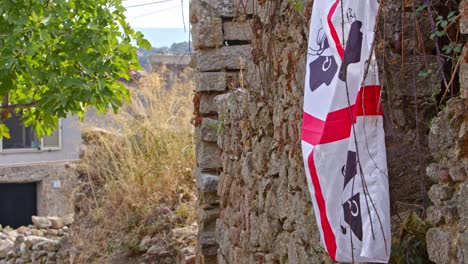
x,y
342,136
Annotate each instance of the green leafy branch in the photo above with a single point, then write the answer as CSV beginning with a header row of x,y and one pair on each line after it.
x,y
298,5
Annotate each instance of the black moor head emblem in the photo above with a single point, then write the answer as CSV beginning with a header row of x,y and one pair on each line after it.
x,y
323,69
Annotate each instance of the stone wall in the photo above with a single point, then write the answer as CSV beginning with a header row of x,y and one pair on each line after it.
x,y
448,141
254,203
218,66
38,243
55,183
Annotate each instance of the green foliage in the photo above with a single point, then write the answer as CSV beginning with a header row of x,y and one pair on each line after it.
x,y
62,56
4,131
442,24
218,125
409,245
298,5
425,73
421,8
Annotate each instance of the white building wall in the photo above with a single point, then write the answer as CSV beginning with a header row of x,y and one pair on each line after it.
x,y
71,140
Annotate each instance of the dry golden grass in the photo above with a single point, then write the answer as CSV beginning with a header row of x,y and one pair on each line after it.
x,y
137,174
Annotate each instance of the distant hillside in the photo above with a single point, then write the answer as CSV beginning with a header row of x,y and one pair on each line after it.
x,y
165,37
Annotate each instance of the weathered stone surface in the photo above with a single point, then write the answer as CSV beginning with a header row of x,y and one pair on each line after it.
x,y
221,8
208,130
247,170
207,33
439,245
207,104
464,17
34,240
211,81
442,214
207,219
5,247
462,205
463,249
448,135
56,222
209,60
207,182
68,219
41,222
209,246
207,185
236,57
238,30
230,57
464,68
208,156
439,193
437,173
458,173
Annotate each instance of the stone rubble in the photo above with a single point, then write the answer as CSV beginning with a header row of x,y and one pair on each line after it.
x,y
37,243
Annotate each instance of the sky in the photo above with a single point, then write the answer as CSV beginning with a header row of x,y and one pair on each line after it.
x,y
157,13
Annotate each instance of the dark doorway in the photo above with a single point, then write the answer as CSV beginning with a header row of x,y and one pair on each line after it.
x,y
17,204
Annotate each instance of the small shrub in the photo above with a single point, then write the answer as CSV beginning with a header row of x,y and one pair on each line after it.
x,y
409,244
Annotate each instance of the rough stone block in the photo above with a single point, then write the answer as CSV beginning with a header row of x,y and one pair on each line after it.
x,y
207,131
462,205
245,7
208,156
247,170
210,60
227,57
207,185
208,219
437,172
464,17
5,247
439,193
463,250
458,173
448,133
440,214
208,104
236,57
208,245
223,8
207,182
41,222
439,245
238,31
57,222
68,219
207,33
211,81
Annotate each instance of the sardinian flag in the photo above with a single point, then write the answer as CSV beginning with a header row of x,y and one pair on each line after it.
x,y
342,136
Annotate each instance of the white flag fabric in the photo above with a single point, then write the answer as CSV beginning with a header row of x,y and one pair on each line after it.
x,y
342,136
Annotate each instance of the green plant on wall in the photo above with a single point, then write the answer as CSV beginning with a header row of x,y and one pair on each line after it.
x,y
298,5
218,125
409,243
446,34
